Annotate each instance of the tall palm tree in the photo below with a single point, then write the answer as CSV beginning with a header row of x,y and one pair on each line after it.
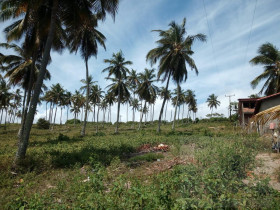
x,y
67,101
177,101
76,103
57,93
117,68
86,39
110,100
21,70
174,50
74,13
163,93
135,107
269,57
213,102
146,91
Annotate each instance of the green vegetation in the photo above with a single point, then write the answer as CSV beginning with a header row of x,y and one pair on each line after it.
x,y
43,124
204,168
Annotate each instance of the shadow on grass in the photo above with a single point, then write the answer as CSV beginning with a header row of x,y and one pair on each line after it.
x,y
60,138
90,155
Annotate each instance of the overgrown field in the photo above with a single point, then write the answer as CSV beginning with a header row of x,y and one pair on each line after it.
x,y
205,167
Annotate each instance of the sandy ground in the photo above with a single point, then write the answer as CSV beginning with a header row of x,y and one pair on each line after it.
x,y
269,166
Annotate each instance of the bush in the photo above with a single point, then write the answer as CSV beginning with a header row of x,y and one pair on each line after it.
x,y
72,121
43,124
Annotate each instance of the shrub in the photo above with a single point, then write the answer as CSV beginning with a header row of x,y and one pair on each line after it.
x,y
43,124
72,121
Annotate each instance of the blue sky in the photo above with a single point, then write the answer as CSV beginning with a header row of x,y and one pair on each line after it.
x,y
223,64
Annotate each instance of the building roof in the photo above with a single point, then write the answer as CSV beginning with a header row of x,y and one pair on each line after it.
x,y
258,103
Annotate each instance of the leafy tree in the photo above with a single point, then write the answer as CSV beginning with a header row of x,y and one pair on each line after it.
x,y
174,50
269,57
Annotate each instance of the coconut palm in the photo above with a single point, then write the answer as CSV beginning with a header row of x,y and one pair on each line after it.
x,y
146,91
174,50
103,107
117,68
86,39
67,101
5,97
134,103
213,102
269,57
163,93
110,100
190,101
23,71
57,94
68,13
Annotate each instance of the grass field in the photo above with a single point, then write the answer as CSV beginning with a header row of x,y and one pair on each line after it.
x,y
205,167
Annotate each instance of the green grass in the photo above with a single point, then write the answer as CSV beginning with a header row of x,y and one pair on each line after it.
x,y
63,170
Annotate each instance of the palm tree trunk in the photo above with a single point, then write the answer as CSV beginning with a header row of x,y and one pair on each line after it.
x,y
1,115
133,117
108,113
163,103
141,118
166,109
153,113
61,116
127,112
183,113
82,114
23,103
46,110
97,119
83,132
67,112
94,112
23,144
50,113
5,123
104,113
54,117
177,99
119,104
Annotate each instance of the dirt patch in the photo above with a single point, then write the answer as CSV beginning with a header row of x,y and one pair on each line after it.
x,y
268,165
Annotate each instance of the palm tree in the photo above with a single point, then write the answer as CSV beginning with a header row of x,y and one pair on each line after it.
x,y
177,101
135,107
57,94
74,13
117,68
269,57
5,97
76,104
67,101
23,71
86,38
163,93
213,102
110,100
146,90
103,107
190,101
173,52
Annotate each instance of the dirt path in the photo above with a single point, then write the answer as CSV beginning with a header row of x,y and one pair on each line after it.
x,y
269,164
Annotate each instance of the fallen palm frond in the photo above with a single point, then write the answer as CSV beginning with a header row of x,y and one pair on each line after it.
x,y
265,116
